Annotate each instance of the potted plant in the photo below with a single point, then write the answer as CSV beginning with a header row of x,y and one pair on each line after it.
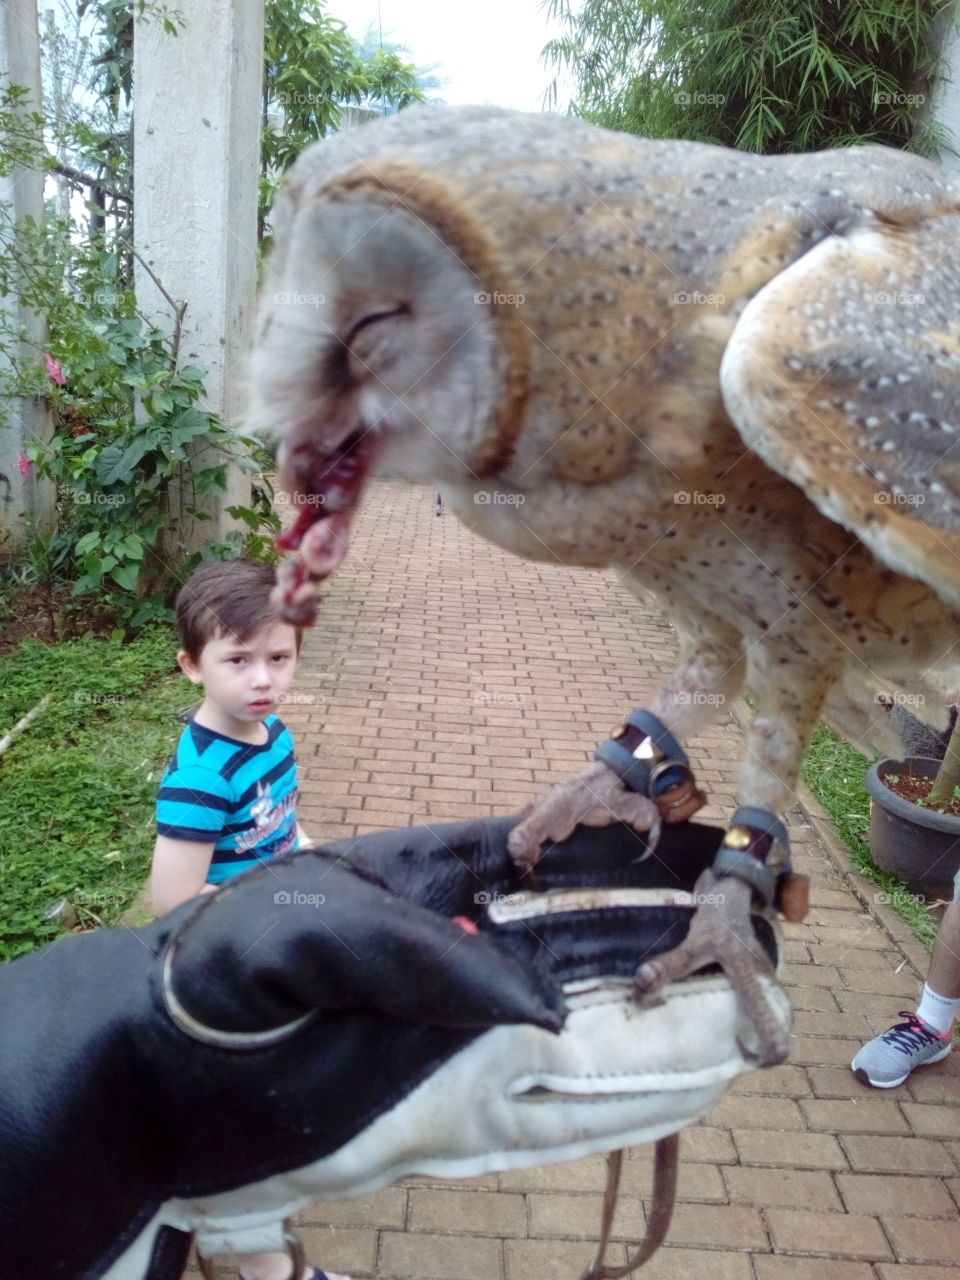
x,y
915,810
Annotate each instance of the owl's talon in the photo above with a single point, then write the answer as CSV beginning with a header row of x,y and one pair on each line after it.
x,y
640,777
594,797
721,933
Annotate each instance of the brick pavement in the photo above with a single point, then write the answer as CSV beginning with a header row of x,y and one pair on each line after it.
x,y
446,679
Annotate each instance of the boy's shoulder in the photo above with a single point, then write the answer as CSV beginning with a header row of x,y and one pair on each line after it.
x,y
205,748
277,729
197,763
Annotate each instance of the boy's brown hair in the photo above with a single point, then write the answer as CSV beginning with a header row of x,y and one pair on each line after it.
x,y
226,597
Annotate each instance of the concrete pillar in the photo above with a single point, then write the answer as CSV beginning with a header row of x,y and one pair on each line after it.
x,y
351,117
196,164
944,104
22,418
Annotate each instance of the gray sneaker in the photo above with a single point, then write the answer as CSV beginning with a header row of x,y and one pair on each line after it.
x,y
887,1060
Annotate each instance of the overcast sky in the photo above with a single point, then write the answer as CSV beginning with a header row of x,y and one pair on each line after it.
x,y
489,50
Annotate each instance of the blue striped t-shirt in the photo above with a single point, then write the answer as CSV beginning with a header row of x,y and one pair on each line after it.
x,y
238,796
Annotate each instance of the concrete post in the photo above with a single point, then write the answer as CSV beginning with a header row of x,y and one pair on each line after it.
x,y
196,164
944,104
351,117
22,418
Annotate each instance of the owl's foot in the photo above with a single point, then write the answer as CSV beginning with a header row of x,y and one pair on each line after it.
x,y
721,933
594,797
640,777
752,863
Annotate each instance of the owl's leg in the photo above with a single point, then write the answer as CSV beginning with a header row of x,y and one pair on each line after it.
x,y
752,866
789,693
710,672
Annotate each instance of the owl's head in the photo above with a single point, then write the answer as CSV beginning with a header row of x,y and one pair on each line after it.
x,y
377,346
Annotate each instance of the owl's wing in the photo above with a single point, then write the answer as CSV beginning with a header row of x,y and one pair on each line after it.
x,y
843,374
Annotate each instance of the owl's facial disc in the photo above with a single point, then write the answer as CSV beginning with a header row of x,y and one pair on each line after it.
x,y
384,359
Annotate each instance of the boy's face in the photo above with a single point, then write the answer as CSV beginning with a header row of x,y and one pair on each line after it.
x,y
243,680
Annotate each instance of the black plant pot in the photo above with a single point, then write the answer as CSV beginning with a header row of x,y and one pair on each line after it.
x,y
918,845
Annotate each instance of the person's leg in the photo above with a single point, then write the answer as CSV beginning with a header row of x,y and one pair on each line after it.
x,y
943,976
273,1266
927,1035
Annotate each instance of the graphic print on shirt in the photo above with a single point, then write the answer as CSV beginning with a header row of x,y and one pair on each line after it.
x,y
262,807
268,818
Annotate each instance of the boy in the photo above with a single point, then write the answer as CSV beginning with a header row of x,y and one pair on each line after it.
x,y
229,797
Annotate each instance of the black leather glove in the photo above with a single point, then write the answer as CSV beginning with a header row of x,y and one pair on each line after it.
x,y
322,1025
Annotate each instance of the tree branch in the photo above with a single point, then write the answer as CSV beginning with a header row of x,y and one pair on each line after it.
x,y
178,308
88,180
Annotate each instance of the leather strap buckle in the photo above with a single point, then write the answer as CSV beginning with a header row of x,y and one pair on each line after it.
x,y
648,759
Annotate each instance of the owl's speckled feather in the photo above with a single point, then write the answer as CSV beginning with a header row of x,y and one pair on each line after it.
x,y
736,378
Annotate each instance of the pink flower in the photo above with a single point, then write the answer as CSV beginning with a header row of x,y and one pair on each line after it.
x,y
54,369
24,463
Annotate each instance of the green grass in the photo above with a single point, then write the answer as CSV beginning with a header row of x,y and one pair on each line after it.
x,y
834,772
78,788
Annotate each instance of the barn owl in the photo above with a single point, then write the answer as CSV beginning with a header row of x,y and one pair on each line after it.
x,y
735,378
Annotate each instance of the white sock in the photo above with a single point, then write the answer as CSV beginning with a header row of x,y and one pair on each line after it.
x,y
937,1011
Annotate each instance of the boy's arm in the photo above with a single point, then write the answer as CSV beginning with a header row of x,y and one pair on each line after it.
x,y
179,871
192,807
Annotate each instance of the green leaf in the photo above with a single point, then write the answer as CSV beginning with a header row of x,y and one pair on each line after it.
x,y
126,575
212,480
249,517
116,466
88,542
132,547
188,425
151,529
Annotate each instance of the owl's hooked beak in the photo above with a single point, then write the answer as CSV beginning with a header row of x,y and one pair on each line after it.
x,y
326,488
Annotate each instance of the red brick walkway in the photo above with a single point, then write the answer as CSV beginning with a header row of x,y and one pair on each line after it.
x,y
446,679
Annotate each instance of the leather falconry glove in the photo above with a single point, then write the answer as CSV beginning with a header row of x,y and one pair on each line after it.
x,y
400,1003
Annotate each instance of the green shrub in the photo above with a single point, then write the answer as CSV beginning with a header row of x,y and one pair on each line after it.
x,y
79,786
